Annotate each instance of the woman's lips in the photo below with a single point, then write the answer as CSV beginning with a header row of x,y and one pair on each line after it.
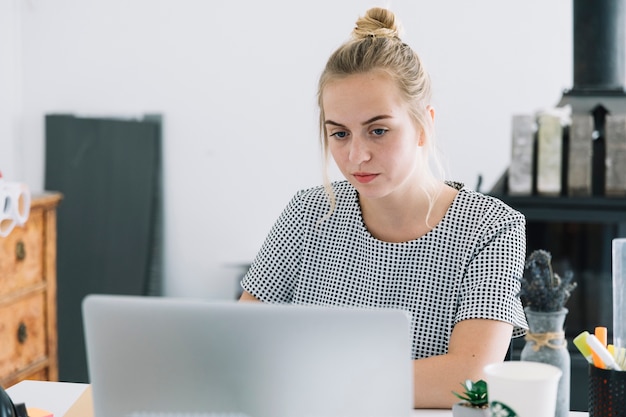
x,y
364,178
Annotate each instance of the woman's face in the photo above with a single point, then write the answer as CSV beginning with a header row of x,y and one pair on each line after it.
x,y
371,135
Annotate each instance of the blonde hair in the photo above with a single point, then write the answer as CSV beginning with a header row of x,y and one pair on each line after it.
x,y
375,45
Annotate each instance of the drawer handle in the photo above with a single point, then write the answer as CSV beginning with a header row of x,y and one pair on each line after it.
x,y
20,250
22,333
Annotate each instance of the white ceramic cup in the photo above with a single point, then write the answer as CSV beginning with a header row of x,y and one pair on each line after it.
x,y
14,206
528,388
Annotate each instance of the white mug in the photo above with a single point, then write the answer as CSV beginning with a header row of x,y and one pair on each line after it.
x,y
14,206
524,389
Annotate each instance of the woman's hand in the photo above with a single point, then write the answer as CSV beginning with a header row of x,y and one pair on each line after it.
x,y
246,296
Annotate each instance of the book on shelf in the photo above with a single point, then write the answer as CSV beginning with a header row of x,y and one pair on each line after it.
x,y
615,145
549,154
520,175
579,166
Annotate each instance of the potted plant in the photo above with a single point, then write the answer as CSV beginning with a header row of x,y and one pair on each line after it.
x,y
474,401
544,294
544,290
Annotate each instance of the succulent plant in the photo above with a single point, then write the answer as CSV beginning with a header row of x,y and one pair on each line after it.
x,y
542,288
475,393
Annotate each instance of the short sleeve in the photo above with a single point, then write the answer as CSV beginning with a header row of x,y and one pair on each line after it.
x,y
273,273
490,289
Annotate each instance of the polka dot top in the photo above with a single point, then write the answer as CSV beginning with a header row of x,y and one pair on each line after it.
x,y
467,267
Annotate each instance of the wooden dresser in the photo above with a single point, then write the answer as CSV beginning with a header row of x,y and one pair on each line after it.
x,y
28,324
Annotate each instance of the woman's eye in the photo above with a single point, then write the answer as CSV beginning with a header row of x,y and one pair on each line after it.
x,y
340,135
379,132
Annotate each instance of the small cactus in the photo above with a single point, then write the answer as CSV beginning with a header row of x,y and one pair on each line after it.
x,y
475,393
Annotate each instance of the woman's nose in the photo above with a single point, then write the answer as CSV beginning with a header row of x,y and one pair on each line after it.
x,y
359,150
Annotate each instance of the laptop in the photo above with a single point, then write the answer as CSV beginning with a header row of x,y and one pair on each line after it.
x,y
160,356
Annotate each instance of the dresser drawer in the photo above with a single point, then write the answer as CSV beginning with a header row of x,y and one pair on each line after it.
x,y
23,338
21,255
37,373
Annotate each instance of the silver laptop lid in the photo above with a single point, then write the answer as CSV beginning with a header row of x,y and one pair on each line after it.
x,y
157,355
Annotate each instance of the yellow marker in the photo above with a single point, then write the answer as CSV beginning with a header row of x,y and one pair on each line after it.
x,y
581,343
620,357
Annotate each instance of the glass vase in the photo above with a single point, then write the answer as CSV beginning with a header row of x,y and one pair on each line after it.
x,y
545,342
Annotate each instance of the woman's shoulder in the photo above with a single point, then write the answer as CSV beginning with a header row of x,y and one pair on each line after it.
x,y
484,205
317,196
341,190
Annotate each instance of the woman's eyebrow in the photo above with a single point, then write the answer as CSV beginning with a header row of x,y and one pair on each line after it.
x,y
376,118
368,121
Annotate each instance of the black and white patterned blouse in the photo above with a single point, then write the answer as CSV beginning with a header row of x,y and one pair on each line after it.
x,y
467,267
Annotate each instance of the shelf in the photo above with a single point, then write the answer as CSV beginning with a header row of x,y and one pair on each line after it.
x,y
565,209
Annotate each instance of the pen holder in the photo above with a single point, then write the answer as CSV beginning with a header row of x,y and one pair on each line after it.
x,y
607,392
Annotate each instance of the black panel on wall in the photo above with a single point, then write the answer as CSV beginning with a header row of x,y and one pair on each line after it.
x,y
109,226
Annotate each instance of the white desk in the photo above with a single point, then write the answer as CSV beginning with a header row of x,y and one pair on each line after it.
x,y
58,398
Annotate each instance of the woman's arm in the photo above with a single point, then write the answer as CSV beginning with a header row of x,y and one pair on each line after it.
x,y
474,343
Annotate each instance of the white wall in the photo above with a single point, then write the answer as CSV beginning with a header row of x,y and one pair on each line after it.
x,y
235,81
10,89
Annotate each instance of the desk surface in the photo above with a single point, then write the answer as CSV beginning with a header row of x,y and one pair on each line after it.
x,y
58,398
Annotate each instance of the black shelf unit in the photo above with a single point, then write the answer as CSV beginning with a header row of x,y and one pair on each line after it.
x,y
574,209
578,232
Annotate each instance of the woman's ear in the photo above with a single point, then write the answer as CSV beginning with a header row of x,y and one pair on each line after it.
x,y
431,111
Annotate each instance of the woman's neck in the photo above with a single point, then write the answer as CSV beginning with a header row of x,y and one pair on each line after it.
x,y
408,217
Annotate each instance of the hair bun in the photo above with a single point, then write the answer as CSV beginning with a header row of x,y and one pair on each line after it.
x,y
378,23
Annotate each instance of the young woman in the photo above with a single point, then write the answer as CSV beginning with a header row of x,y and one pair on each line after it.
x,y
393,235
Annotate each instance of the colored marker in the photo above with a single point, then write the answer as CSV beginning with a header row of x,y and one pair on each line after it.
x,y
601,334
620,357
608,362
580,342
